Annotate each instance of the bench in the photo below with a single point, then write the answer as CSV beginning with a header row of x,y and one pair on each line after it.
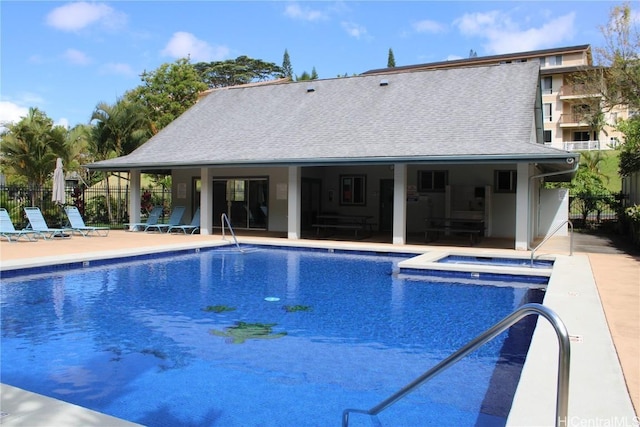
x,y
344,226
474,233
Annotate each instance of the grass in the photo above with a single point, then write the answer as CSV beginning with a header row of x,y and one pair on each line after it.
x,y
609,168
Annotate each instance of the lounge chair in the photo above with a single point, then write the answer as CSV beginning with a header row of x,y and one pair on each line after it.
x,y
191,228
174,219
38,223
8,231
152,219
78,225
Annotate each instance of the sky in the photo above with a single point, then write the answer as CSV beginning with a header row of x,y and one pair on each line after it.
x,y
66,57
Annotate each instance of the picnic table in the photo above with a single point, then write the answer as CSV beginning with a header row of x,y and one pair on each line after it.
x,y
436,227
333,222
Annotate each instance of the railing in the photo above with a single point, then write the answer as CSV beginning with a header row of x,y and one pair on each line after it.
x,y
579,119
578,90
581,145
564,356
225,219
533,251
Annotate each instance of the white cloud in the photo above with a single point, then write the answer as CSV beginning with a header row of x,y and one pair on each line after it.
x,y
79,15
428,26
503,35
62,122
295,11
354,30
183,44
76,57
11,112
117,69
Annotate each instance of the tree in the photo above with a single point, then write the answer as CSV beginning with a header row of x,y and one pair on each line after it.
x,y
621,56
473,54
391,60
118,130
30,147
167,92
314,74
287,69
630,151
239,71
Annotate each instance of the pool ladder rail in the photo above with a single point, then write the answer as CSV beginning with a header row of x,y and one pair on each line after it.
x,y
564,355
558,228
225,219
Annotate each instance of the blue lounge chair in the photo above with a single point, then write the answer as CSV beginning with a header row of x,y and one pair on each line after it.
x,y
152,219
191,228
174,219
38,223
78,225
8,231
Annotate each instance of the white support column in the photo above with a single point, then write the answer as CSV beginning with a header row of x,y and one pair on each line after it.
x,y
134,196
523,216
399,204
206,201
294,208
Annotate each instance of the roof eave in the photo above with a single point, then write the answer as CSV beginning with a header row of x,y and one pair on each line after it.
x,y
560,157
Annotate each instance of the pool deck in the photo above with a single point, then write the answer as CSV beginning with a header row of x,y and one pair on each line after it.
x,y
596,294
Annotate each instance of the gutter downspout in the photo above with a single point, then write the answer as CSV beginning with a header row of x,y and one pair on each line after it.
x,y
544,175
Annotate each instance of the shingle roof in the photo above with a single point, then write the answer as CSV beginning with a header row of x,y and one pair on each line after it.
x,y
472,114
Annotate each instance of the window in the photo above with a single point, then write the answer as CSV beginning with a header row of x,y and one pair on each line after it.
x,y
547,85
554,60
352,189
432,180
547,137
581,136
505,181
546,112
543,61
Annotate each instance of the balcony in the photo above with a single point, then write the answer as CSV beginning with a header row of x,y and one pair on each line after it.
x,y
573,120
579,145
578,91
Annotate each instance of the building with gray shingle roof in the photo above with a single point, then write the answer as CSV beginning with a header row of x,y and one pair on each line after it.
x,y
461,125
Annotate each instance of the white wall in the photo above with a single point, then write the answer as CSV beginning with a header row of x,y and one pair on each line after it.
x,y
556,210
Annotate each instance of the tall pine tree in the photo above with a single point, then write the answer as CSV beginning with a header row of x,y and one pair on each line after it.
x,y
287,69
391,61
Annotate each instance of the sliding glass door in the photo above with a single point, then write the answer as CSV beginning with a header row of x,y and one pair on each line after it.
x,y
243,200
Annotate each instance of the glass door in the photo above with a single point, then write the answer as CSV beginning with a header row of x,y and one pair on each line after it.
x,y
243,200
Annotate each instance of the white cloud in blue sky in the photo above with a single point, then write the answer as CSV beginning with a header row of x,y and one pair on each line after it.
x,y
77,16
185,45
501,34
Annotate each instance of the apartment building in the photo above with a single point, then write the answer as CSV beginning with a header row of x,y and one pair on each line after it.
x,y
568,107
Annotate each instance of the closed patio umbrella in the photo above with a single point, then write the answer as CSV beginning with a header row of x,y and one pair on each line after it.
x,y
57,195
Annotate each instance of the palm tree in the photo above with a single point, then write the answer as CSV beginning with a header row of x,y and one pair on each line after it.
x,y
118,130
30,147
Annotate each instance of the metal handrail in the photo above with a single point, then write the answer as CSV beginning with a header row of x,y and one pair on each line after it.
x,y
564,355
567,221
224,218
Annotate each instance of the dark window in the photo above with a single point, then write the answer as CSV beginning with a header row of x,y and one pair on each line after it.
x,y
432,180
547,85
353,189
505,181
547,136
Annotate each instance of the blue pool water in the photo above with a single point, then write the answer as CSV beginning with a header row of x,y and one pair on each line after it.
x,y
190,340
498,261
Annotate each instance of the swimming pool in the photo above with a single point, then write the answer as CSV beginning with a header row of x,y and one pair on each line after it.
x,y
191,340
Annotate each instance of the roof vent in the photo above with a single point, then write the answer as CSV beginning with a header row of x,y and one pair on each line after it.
x,y
310,89
384,82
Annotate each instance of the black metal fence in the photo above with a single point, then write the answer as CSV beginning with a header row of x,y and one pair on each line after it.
x,y
99,205
593,212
